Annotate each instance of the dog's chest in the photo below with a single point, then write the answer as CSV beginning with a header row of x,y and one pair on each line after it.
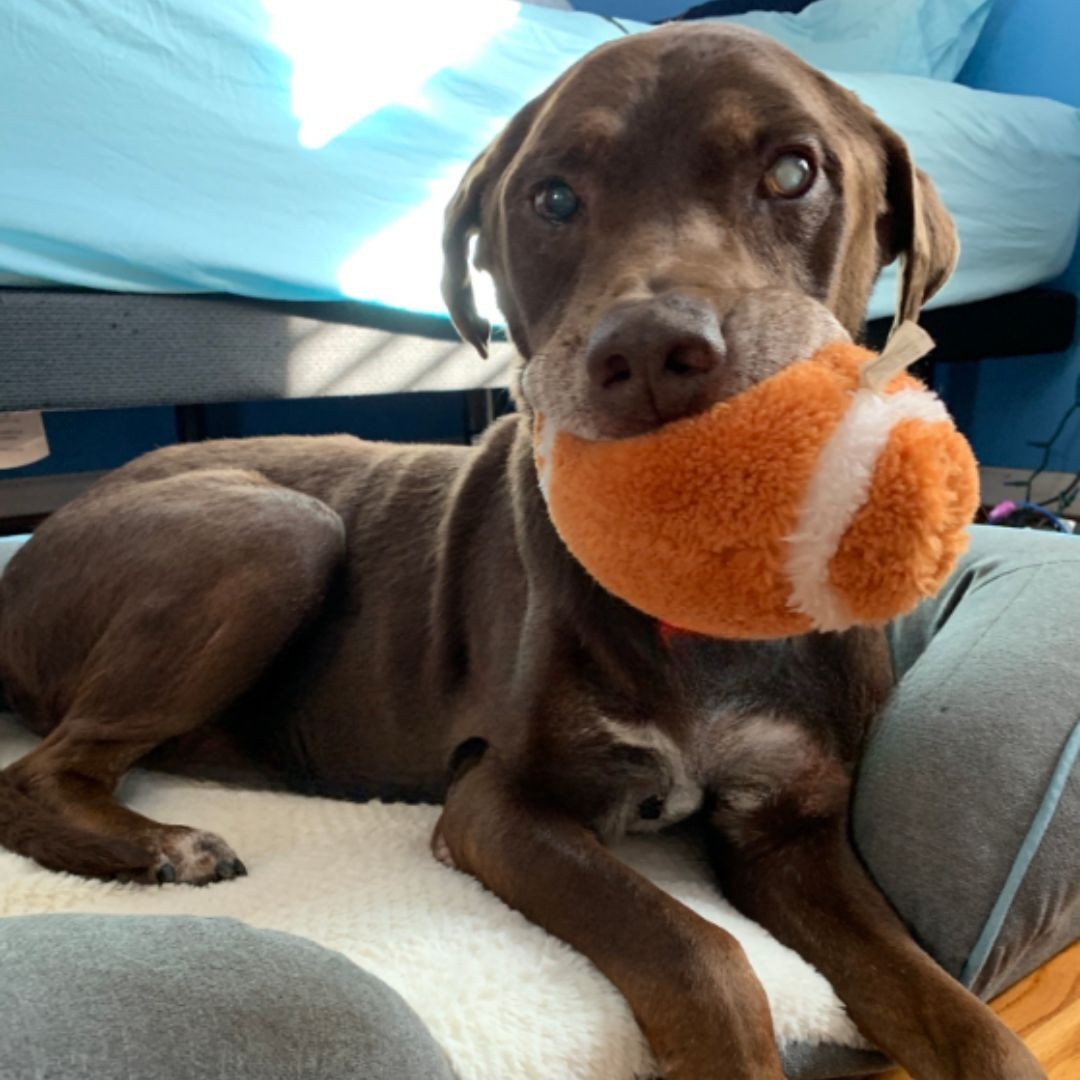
x,y
740,762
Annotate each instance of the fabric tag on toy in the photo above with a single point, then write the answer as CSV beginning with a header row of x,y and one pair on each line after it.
x,y
22,439
907,343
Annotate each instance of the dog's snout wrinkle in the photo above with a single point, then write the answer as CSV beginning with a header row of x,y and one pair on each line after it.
x,y
651,361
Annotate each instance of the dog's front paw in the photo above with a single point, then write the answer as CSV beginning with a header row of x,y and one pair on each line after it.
x,y
189,857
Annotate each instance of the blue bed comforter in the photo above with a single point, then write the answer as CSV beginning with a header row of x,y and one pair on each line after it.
x,y
304,149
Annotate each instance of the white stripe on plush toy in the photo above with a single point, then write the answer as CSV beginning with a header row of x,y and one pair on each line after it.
x,y
838,489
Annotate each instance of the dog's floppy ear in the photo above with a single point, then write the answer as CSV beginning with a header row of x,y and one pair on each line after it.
x,y
462,222
916,227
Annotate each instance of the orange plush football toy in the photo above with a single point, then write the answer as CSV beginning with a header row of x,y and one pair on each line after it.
x,y
831,494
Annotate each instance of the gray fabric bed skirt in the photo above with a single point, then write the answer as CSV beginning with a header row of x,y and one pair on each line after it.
x,y
64,349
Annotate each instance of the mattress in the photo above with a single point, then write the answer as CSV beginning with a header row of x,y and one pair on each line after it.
x,y
304,149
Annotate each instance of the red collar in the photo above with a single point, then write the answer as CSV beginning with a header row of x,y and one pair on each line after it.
x,y
668,633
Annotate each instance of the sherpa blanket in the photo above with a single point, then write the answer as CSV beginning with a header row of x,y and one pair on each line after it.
x,y
503,997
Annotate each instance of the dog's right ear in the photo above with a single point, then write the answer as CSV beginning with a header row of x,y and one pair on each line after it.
x,y
462,222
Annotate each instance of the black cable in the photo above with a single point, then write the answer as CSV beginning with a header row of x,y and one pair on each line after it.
x,y
1068,494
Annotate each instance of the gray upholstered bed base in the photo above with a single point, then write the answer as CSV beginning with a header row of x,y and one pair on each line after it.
x,y
63,349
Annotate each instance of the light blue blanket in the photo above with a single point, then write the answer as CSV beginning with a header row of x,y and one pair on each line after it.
x,y
304,149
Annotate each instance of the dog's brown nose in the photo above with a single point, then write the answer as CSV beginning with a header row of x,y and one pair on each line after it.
x,y
651,361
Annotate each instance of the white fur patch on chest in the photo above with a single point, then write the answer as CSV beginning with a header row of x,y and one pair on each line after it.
x,y
759,750
746,761
755,759
679,792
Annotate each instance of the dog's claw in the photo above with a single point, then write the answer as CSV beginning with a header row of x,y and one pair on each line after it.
x,y
227,869
166,874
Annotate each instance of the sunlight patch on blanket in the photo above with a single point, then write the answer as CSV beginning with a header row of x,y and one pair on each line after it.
x,y
401,264
351,59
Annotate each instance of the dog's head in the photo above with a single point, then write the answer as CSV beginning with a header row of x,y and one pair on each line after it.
x,y
681,213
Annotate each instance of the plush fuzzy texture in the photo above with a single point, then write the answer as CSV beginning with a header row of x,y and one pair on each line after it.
x,y
504,998
842,483
806,502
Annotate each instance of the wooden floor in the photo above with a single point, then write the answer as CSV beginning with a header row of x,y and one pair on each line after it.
x,y
1044,1009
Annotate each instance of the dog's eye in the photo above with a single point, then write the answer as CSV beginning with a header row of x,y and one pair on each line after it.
x,y
556,201
789,176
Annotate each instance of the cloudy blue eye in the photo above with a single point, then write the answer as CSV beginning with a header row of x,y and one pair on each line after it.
x,y
556,201
790,175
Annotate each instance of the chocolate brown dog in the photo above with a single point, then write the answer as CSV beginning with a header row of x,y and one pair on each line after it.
x,y
680,213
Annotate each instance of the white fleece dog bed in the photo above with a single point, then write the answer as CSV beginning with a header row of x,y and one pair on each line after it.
x,y
503,997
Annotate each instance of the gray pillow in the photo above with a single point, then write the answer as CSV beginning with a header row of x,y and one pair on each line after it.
x,y
967,804
99,997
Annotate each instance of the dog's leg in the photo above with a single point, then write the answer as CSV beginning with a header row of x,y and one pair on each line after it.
x,y
688,982
136,619
804,883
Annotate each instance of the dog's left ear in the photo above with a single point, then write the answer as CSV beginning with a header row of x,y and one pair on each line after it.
x,y
462,221
916,227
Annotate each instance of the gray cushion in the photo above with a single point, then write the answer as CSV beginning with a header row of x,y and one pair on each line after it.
x,y
967,806
91,997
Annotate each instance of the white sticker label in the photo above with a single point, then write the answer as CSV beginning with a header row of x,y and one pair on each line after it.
x,y
22,439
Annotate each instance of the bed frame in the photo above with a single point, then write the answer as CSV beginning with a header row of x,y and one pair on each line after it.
x,y
72,349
